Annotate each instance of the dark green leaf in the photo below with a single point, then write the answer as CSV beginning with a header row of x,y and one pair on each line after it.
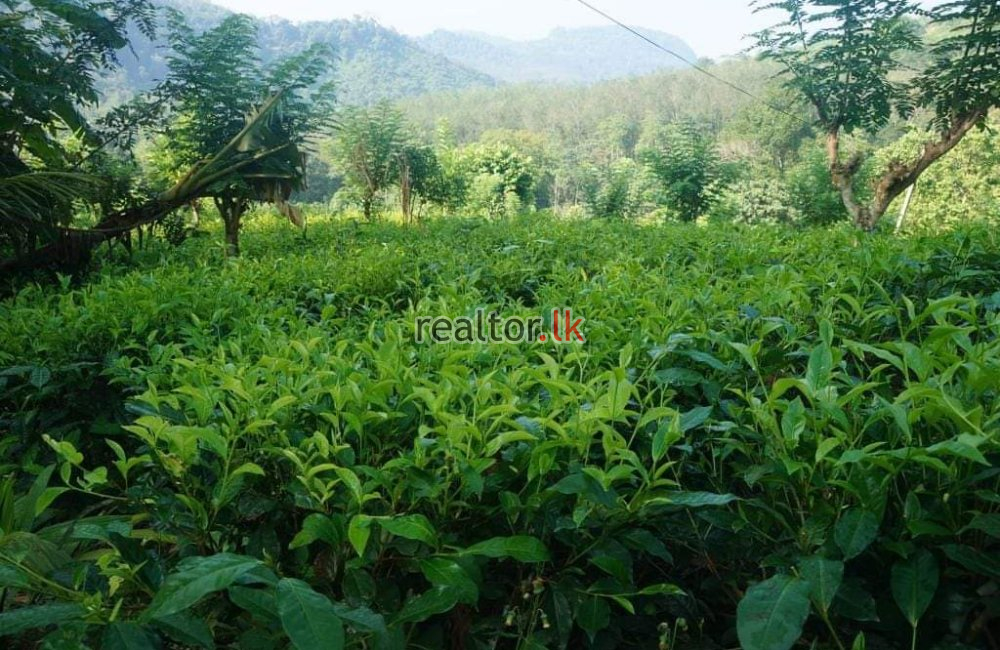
x,y
415,527
18,620
197,578
855,532
308,618
824,577
448,573
593,615
438,600
772,613
914,582
520,548
122,635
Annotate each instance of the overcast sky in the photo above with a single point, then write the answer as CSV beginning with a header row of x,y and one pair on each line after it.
x,y
710,27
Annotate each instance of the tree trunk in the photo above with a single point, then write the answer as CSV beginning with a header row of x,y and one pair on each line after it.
x,y
899,177
232,210
405,193
843,179
195,214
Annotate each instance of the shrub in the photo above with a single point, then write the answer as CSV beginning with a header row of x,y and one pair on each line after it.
x,y
771,436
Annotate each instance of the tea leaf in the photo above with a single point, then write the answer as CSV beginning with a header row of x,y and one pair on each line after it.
x,y
197,578
824,577
772,613
308,618
520,548
438,600
855,531
415,527
122,635
18,620
914,582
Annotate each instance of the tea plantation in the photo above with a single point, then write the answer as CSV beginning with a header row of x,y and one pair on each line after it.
x,y
771,437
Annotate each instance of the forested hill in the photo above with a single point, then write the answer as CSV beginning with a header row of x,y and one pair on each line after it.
x,y
376,62
583,55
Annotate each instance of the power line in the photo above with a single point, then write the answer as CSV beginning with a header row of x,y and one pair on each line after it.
x,y
692,64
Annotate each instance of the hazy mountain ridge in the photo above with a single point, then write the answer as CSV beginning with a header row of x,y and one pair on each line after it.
x,y
581,55
375,62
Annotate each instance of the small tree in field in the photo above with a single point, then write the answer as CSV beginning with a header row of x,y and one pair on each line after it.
x,y
683,160
366,150
844,57
216,82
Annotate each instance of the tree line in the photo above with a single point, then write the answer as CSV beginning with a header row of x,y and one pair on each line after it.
x,y
869,96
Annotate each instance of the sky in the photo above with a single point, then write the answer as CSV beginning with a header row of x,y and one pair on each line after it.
x,y
711,27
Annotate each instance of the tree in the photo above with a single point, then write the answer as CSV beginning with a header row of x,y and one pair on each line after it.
x,y
682,157
50,54
422,179
216,80
502,178
366,150
845,58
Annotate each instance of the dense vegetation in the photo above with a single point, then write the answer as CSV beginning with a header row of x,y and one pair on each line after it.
x,y
749,408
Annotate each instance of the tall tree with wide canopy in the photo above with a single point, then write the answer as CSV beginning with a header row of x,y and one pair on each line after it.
x,y
846,58
51,52
217,80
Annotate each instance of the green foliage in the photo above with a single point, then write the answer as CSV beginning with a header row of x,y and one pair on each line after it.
x,y
615,191
367,151
771,435
848,60
684,161
514,170
811,188
215,83
52,52
756,201
964,184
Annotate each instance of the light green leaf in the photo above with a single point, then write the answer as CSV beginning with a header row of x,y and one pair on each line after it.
x,y
793,422
415,527
358,532
820,367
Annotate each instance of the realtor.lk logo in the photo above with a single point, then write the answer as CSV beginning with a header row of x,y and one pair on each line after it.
x,y
491,328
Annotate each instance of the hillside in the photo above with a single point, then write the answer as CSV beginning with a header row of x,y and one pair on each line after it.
x,y
376,62
572,114
583,55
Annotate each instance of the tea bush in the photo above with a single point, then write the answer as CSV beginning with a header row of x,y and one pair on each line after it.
x,y
770,437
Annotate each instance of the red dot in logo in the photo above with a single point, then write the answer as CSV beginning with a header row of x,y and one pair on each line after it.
x,y
543,338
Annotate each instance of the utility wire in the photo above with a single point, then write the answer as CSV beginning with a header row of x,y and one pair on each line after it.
x,y
692,64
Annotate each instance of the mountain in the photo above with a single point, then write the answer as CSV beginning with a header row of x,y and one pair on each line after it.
x,y
375,62
584,55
